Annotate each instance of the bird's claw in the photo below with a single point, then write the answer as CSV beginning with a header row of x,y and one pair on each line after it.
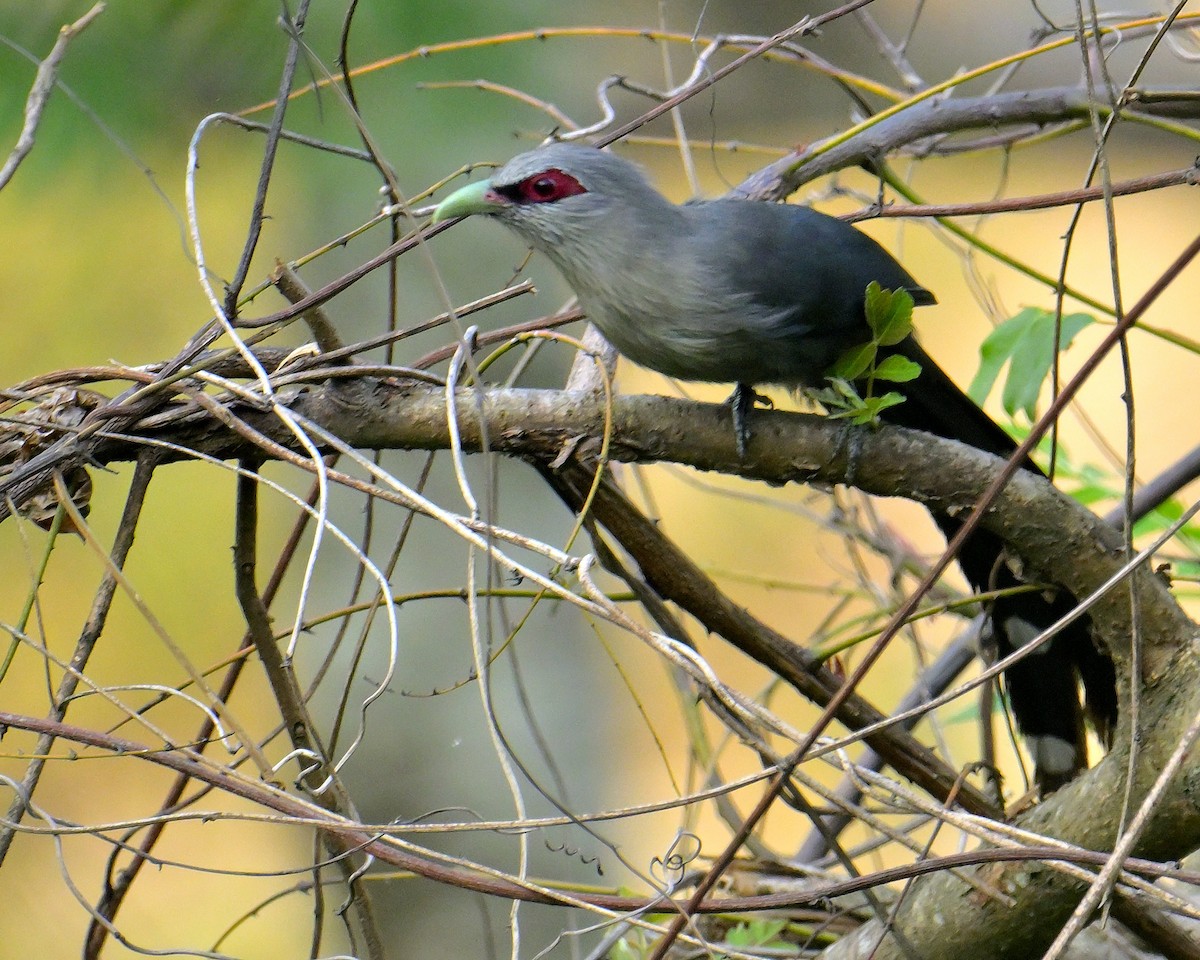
x,y
741,402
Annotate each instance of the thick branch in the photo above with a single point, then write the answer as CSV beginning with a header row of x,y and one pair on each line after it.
x,y
1058,540
937,117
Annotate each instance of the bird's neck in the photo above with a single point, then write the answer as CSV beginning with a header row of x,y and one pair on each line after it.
x,y
627,262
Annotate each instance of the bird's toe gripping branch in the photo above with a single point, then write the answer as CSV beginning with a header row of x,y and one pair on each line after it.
x,y
741,402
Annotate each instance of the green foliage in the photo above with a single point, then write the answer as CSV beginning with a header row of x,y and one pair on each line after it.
x,y
897,369
1026,343
1188,536
889,315
632,946
743,936
843,401
756,933
1095,486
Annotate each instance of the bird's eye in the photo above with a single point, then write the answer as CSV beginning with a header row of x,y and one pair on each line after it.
x,y
548,186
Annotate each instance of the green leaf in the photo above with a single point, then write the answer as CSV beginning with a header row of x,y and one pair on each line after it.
x,y
889,314
1090,494
898,325
756,933
1162,517
889,399
854,362
1026,343
1030,363
622,950
842,391
866,410
877,302
897,369
995,351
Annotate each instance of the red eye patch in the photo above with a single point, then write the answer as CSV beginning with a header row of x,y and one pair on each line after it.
x,y
545,187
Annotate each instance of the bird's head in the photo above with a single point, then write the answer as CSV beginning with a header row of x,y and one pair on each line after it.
x,y
564,194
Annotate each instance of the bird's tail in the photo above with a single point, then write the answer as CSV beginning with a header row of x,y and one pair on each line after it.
x,y
1043,689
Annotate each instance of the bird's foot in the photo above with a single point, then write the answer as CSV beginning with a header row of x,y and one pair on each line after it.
x,y
741,402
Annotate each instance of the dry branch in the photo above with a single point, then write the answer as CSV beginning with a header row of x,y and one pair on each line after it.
x,y
1055,537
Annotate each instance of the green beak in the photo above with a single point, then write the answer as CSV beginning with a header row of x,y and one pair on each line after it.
x,y
473,198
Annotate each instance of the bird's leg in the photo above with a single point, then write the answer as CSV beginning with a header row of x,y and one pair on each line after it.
x,y
741,402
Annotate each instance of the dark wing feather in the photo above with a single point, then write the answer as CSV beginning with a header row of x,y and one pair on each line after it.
x,y
820,300
808,297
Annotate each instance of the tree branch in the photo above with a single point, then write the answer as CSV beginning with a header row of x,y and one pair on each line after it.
x,y
938,117
1056,538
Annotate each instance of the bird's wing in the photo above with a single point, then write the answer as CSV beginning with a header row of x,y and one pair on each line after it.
x,y
809,274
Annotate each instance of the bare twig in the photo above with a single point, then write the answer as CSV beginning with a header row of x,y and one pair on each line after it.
x,y
384,840
1189,176
288,282
317,773
39,93
807,25
88,638
295,28
1125,845
116,888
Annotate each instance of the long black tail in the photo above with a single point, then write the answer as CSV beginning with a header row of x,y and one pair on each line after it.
x,y
1044,687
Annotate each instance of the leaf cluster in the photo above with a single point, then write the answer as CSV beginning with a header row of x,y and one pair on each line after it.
x,y
853,377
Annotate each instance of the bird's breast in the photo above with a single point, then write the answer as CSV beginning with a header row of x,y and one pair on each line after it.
x,y
743,345
676,314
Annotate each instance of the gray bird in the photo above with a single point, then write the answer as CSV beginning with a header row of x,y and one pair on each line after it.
x,y
743,292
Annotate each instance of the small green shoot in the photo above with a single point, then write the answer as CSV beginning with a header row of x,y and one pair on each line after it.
x,y
889,315
756,933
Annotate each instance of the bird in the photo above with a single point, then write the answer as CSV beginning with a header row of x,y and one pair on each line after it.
x,y
754,293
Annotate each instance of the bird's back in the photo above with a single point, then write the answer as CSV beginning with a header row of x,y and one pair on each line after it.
x,y
811,297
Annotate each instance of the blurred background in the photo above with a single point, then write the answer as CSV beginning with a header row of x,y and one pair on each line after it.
x,y
96,266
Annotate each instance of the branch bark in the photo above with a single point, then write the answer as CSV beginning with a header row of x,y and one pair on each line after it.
x,y
1056,538
923,126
